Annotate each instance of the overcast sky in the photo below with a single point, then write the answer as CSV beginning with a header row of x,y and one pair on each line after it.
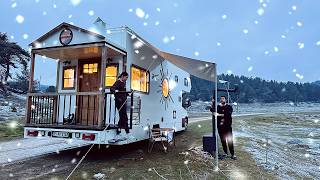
x,y
272,39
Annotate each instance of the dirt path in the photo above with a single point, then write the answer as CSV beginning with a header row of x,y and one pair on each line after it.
x,y
133,162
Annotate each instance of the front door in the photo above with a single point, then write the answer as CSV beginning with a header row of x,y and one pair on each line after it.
x,y
89,81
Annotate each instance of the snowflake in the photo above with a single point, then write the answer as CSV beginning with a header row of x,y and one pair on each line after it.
x,y
108,31
91,13
136,51
307,155
316,121
289,12
283,89
229,72
276,49
299,76
318,43
186,162
175,4
54,6
12,37
196,53
155,56
224,16
172,38
218,44
13,5
294,70
299,23
245,31
158,9
140,13
130,10
294,7
199,125
250,69
44,13
301,45
74,160
166,40
75,2
9,160
70,16
146,16
256,22
260,11
25,36
156,23
196,34
266,52
19,18
283,36
145,24
248,58
264,5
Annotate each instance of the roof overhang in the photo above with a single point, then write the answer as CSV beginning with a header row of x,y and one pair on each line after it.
x,y
79,51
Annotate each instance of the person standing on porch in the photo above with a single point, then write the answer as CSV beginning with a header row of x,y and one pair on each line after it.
x,y
119,91
224,120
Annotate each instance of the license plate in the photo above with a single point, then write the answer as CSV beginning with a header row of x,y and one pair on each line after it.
x,y
60,134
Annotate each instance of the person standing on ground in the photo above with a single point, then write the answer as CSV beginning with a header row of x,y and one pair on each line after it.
x,y
224,115
119,91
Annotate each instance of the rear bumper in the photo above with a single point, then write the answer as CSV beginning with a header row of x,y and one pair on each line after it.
x,y
89,136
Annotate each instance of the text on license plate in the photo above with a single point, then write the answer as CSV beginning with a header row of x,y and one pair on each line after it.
x,y
60,134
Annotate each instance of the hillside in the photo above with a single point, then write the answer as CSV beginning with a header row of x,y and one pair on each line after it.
x,y
258,90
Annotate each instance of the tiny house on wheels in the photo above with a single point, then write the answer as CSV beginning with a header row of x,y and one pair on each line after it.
x,y
88,63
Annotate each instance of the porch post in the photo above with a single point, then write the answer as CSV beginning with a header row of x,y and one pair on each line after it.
x,y
104,56
31,76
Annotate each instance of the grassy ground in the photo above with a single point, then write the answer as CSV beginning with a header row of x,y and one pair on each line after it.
x,y
133,162
11,129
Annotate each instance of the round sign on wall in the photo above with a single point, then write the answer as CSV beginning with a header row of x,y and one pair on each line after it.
x,y
65,36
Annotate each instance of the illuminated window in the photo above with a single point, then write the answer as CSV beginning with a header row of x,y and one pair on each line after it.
x,y
90,68
139,79
68,77
111,75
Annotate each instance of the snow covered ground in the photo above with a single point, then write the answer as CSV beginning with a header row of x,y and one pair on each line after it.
x,y
7,105
22,149
287,144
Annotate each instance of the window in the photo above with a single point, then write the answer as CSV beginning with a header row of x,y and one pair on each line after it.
x,y
186,82
139,79
90,68
111,75
176,78
68,78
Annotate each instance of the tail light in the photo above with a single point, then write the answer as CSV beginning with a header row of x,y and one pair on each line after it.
x,y
32,133
88,136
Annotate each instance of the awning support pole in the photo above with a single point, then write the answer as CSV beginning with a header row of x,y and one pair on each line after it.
x,y
215,116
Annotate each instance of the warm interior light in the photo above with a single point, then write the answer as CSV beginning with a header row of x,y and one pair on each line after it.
x,y
90,68
68,78
111,75
165,88
139,79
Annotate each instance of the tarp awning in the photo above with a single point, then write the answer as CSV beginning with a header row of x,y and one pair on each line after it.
x,y
201,69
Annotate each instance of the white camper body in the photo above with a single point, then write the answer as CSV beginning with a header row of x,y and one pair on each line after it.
x,y
82,106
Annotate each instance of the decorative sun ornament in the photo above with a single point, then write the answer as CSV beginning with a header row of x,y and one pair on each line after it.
x,y
164,87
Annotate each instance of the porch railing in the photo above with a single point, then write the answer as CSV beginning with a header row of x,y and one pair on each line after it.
x,y
74,109
78,110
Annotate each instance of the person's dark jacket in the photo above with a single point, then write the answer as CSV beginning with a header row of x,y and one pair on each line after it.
x,y
227,118
119,86
213,107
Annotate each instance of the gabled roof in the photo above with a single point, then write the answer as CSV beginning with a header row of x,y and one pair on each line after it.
x,y
62,25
